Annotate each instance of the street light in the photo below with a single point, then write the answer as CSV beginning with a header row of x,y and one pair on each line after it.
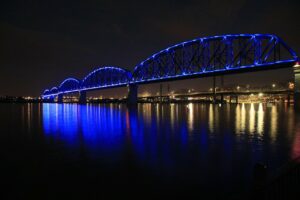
x,y
238,87
273,85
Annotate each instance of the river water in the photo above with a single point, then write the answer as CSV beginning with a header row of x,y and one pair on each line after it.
x,y
149,151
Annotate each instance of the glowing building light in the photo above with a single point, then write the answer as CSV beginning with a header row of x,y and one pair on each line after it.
x,y
291,85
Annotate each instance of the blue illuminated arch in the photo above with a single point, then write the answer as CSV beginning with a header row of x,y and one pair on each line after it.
x,y
105,77
213,54
54,90
199,57
69,84
46,92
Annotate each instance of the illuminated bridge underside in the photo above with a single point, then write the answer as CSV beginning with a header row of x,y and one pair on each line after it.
x,y
196,58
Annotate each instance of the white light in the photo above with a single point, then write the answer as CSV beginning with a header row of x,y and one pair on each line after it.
x,y
297,64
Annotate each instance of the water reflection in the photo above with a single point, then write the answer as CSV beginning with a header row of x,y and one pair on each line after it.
x,y
240,122
110,121
252,119
260,119
274,118
190,110
176,140
211,117
172,115
296,145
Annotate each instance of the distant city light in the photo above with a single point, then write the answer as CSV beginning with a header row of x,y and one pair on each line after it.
x,y
260,94
28,98
291,85
238,87
273,85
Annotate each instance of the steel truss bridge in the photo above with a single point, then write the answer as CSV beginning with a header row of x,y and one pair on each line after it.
x,y
202,57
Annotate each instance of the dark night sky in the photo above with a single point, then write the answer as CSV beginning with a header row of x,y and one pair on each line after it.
x,y
43,42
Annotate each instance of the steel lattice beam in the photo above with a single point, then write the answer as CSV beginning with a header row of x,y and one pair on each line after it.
x,y
199,57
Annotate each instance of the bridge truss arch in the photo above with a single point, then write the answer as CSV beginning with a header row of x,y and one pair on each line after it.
x,y
53,90
106,77
214,54
69,85
46,92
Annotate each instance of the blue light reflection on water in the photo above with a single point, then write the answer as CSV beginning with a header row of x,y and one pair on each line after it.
x,y
187,142
60,121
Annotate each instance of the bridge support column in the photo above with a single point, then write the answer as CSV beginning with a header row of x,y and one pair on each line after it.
x,y
132,96
60,98
289,98
51,99
236,99
82,97
222,98
297,86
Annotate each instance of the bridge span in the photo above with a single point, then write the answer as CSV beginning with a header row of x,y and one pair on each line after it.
x,y
201,57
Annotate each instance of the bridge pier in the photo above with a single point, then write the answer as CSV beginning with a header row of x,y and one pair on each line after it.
x,y
289,98
236,98
82,97
132,97
222,98
60,98
51,99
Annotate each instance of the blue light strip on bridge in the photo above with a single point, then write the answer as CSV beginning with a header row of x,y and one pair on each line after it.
x,y
84,89
167,77
47,93
69,79
213,71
